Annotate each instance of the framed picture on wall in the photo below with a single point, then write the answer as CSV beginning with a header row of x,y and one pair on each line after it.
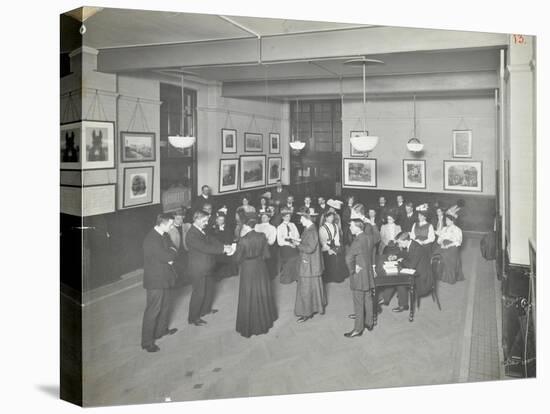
x,y
462,143
274,143
229,141
253,142
352,151
274,169
98,145
137,146
229,175
414,173
359,172
252,171
462,175
137,186
70,146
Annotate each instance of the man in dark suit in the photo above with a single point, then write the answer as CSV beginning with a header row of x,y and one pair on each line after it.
x,y
359,263
201,263
399,210
407,221
382,210
203,198
158,278
279,196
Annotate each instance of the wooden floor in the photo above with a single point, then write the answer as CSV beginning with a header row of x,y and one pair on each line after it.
x,y
215,362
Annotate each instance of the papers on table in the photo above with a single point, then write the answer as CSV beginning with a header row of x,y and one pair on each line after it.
x,y
390,268
408,271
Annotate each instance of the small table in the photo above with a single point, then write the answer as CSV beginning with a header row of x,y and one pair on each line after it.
x,y
401,279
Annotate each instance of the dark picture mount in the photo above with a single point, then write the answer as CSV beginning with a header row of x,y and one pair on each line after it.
x,y
479,167
244,158
280,162
423,169
151,186
228,149
83,150
277,137
124,154
258,137
220,178
71,146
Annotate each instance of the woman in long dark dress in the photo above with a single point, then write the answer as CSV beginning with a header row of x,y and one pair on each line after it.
x,y
330,237
449,242
256,310
270,232
423,233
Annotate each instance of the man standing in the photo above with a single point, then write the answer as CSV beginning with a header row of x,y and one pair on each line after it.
x,y
280,195
359,262
323,208
201,263
400,211
383,210
158,278
203,198
407,221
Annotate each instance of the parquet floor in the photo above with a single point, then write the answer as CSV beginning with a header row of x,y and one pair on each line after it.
x,y
215,362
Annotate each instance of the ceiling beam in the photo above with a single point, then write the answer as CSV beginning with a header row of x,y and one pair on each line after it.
x,y
376,85
294,47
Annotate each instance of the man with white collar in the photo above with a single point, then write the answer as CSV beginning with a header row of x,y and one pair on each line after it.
x,y
203,198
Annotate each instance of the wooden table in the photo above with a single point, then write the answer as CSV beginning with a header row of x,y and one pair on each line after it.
x,y
382,281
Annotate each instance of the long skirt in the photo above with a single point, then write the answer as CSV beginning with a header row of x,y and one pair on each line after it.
x,y
256,310
424,281
310,296
273,262
452,265
335,267
290,261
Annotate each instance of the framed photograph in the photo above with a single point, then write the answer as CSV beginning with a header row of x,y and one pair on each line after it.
x,y
137,146
274,169
462,143
70,146
98,145
274,143
414,173
137,186
352,151
360,173
229,175
252,171
229,141
462,175
253,142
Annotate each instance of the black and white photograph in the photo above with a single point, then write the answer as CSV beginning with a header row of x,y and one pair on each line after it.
x,y
462,175
138,186
414,173
252,171
229,141
462,144
207,264
274,143
359,172
137,146
275,169
253,142
98,145
229,175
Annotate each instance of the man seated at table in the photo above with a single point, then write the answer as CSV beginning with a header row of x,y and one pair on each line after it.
x,y
412,258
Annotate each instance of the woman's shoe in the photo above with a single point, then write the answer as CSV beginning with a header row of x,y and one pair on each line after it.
x,y
353,334
303,318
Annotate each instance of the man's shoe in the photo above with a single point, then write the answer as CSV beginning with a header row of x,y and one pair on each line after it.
x,y
151,348
353,334
168,332
369,327
303,318
198,322
213,311
400,309
352,316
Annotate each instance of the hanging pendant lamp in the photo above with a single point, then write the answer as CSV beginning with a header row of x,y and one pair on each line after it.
x,y
182,141
414,144
364,142
296,145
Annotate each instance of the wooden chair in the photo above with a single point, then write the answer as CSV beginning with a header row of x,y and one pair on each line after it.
x,y
436,272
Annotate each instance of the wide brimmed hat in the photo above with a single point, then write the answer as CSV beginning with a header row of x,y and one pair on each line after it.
x,y
267,194
285,211
337,204
422,208
304,211
356,216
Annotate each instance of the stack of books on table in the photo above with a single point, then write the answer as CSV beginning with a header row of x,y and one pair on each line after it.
x,y
391,268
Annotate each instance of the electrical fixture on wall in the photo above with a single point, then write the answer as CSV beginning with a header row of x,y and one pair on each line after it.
x,y
296,145
364,142
182,141
414,144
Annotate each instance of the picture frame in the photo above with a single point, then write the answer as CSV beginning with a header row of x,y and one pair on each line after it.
x,y
352,151
70,145
137,146
462,176
253,142
274,170
228,175
138,186
359,172
229,141
414,173
462,143
98,145
274,143
252,171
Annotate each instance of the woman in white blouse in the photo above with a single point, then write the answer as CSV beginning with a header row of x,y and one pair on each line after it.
x,y
270,232
289,255
449,241
388,233
330,237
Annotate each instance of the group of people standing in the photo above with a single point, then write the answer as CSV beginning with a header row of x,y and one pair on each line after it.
x,y
312,245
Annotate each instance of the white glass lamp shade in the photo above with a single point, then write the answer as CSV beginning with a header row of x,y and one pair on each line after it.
x,y
414,145
297,145
181,142
364,142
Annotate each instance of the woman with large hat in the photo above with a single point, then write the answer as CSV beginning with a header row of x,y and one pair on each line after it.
x,y
287,235
449,242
